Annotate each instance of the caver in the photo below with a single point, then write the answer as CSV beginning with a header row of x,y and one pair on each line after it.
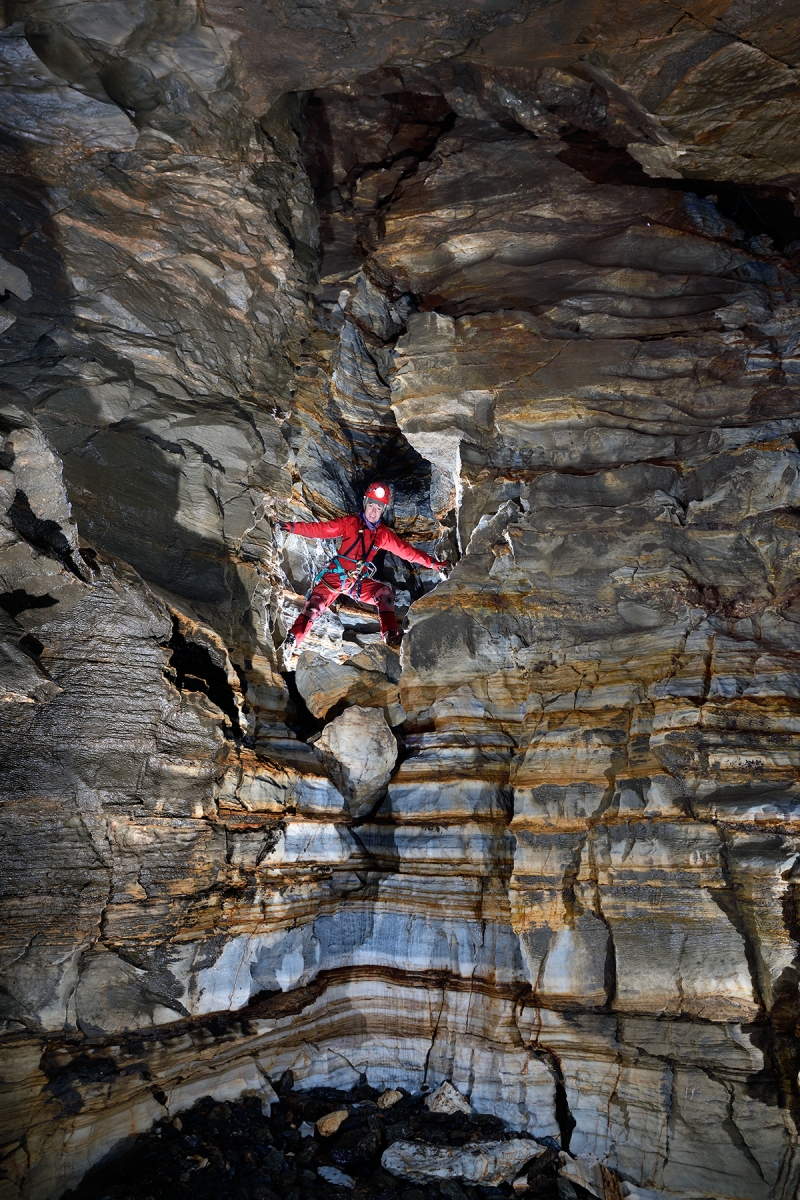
x,y
351,570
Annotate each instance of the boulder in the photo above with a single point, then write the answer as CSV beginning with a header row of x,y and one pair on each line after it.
x,y
447,1099
359,750
323,684
328,1125
487,1163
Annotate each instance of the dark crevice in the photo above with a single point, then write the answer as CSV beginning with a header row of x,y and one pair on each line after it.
x,y
192,669
299,717
564,1118
162,443
758,210
32,646
610,968
405,125
44,536
241,673
89,556
19,601
413,123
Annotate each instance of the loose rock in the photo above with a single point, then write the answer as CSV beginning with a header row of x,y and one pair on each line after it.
x,y
337,1177
447,1099
329,1124
585,1171
233,1148
488,1163
324,684
389,1098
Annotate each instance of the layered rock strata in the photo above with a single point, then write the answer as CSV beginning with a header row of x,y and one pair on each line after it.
x,y
570,887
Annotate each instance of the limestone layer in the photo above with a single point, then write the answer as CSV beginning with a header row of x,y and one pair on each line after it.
x,y
537,266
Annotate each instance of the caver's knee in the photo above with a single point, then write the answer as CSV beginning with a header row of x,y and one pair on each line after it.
x,y
319,599
384,597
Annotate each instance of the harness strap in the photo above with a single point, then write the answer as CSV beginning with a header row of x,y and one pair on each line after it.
x,y
356,575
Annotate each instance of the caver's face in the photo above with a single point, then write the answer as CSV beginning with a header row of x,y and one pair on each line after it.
x,y
373,511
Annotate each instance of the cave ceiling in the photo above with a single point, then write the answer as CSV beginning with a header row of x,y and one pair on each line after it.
x,y
536,264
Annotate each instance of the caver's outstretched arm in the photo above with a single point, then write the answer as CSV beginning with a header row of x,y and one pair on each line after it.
x,y
391,541
316,529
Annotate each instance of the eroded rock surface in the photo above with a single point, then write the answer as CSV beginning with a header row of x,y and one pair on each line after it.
x,y
537,266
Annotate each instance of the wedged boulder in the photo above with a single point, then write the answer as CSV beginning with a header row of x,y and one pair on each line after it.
x,y
359,751
293,778
323,684
487,1163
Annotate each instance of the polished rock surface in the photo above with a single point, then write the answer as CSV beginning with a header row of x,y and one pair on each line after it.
x,y
537,266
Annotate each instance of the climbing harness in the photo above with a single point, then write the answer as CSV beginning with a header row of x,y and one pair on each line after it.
x,y
353,577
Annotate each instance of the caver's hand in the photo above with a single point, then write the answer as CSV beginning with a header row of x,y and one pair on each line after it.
x,y
285,526
443,567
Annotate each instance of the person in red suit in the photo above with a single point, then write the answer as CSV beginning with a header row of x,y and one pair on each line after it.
x,y
351,569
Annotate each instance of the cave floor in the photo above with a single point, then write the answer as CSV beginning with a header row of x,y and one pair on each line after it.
x,y
234,1150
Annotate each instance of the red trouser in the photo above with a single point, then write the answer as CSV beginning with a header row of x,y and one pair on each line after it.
x,y
322,597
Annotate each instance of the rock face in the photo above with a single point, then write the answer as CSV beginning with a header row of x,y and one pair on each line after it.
x,y
539,267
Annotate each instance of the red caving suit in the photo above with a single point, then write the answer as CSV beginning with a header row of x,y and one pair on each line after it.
x,y
359,544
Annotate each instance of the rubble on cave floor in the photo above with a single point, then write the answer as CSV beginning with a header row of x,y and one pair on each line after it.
x,y
236,1150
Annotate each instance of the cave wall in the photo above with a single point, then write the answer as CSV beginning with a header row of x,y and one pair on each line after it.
x,y
537,265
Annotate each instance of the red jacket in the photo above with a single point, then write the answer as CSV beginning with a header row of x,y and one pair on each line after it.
x,y
353,550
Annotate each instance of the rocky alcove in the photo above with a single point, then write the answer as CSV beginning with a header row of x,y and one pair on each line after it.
x,y
536,263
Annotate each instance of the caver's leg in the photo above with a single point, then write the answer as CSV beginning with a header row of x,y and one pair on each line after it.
x,y
382,596
321,597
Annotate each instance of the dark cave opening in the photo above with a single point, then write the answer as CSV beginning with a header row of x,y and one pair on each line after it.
x,y
191,668
389,126
357,149
758,210
381,131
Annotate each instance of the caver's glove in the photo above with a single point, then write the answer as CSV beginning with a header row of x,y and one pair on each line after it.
x,y
286,526
443,567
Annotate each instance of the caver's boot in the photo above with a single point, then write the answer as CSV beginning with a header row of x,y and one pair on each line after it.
x,y
393,639
291,652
